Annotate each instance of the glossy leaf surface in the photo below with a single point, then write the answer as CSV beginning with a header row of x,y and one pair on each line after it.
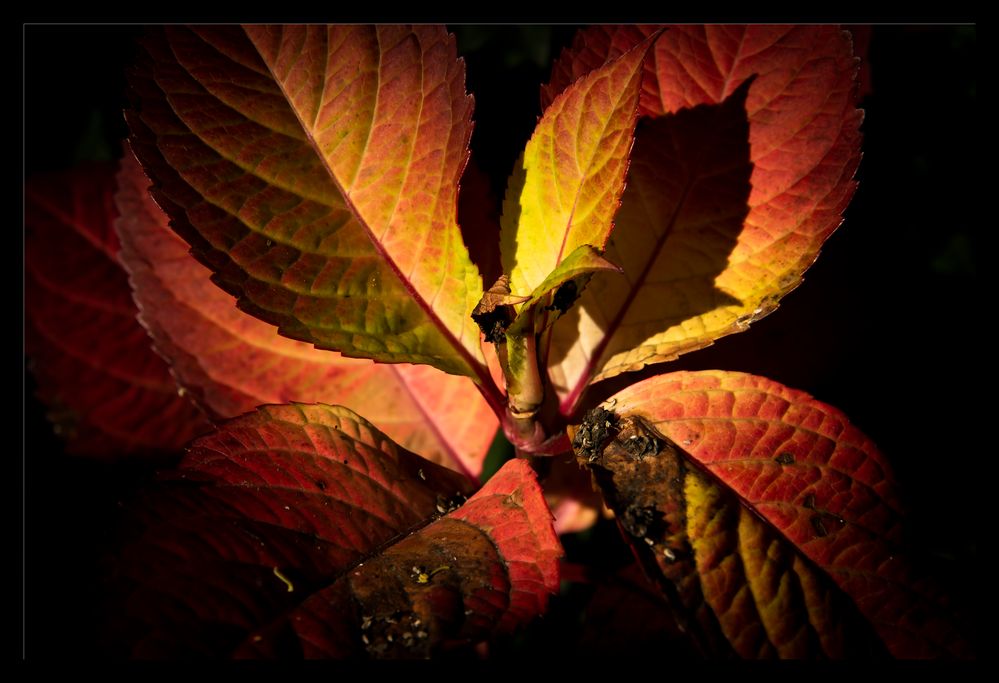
x,y
315,171
107,391
231,362
301,530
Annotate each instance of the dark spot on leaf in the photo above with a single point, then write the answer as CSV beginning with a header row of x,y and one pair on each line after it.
x,y
597,427
784,459
818,526
493,314
494,323
320,484
638,446
565,296
445,504
809,501
642,522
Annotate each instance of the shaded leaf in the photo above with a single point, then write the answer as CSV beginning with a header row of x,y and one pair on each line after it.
x,y
771,522
315,171
628,616
302,531
231,362
566,187
107,392
731,193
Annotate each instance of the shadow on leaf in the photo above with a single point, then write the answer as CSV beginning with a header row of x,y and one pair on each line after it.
x,y
680,219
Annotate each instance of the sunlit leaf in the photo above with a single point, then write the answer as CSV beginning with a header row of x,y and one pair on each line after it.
x,y
314,170
739,176
231,362
567,185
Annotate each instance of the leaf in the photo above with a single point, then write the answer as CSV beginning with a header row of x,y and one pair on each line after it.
x,y
731,193
231,362
769,519
107,392
591,48
303,531
560,288
559,292
627,616
571,496
565,189
315,171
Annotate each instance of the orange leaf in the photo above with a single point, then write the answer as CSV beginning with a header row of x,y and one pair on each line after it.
x,y
315,171
231,362
592,47
731,193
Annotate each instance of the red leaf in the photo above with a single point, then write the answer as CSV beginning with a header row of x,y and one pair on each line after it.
x,y
231,362
701,458
307,532
628,616
108,393
591,48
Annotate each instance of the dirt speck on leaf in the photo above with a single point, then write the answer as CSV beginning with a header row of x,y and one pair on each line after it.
x,y
597,427
784,459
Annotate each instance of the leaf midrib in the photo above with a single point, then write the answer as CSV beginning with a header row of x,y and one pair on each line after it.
x,y
479,372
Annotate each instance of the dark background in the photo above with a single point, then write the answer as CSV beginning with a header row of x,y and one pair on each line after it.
x,y
888,324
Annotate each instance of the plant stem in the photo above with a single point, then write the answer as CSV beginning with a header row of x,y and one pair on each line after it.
x,y
525,391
